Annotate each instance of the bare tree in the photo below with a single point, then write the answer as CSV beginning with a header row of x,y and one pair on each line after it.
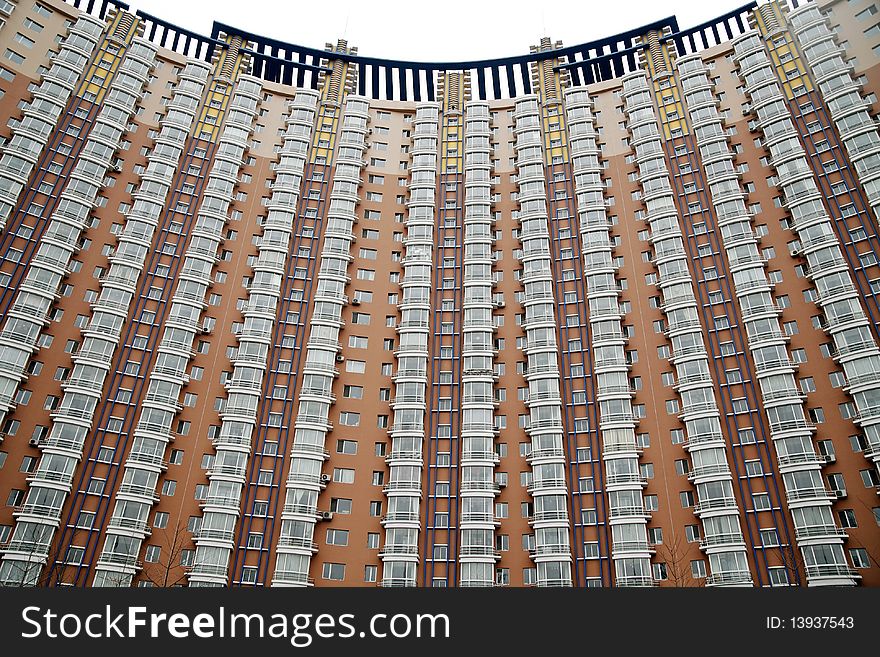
x,y
34,571
168,571
792,562
873,555
678,563
24,573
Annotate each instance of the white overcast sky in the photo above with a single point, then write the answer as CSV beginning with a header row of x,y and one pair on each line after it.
x,y
433,30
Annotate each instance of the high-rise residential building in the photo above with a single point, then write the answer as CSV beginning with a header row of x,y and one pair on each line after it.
x,y
598,315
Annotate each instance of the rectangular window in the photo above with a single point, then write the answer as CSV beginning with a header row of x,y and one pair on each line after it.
x,y
337,537
343,475
333,571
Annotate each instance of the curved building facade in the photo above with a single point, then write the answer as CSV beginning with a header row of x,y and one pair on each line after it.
x,y
599,315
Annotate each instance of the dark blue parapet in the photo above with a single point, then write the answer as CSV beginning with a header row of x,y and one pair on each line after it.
x,y
391,79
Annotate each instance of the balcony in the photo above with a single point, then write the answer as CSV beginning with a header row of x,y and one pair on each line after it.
x,y
825,267
42,510
617,390
149,458
468,486
721,539
31,547
290,577
626,478
690,350
761,309
785,393
715,504
476,517
320,420
810,493
51,475
603,336
308,448
831,570
297,542
164,400
478,427
801,457
603,363
855,347
397,582
555,583
481,455
867,414
478,583
629,512
301,509
122,559
480,551
617,448
546,483
221,500
130,523
411,486
543,516
699,407
406,550
214,534
819,531
631,546
792,424
69,412
555,549
142,491
410,427
407,399
703,379
231,470
708,471
627,581
734,578
404,455
547,452
484,400
629,418
862,379
401,516
677,299
688,324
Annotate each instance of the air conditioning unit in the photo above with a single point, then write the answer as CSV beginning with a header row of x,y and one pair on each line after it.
x,y
34,442
339,358
499,304
325,515
325,479
839,493
355,302
204,329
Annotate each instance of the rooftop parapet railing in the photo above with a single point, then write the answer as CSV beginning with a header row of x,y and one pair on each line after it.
x,y
390,79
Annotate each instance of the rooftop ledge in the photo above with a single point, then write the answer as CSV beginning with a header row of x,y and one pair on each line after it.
x,y
388,79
